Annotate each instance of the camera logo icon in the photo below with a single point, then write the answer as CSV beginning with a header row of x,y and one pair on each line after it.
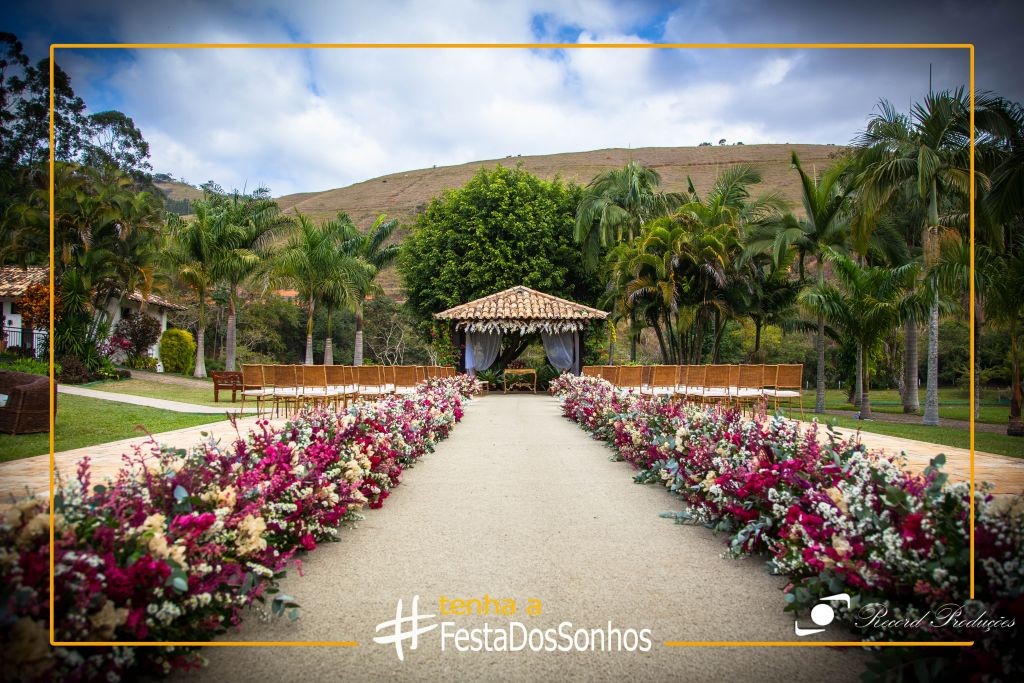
x,y
822,614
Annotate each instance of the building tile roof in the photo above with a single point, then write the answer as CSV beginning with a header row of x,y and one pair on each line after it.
x,y
521,303
14,280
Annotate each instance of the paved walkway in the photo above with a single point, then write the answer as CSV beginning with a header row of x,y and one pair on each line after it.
x,y
1006,474
520,503
33,474
164,404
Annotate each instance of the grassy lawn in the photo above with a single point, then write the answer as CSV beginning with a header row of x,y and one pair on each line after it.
x,y
954,403
946,436
171,392
88,421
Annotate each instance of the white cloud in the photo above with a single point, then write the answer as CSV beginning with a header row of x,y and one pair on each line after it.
x,y
310,120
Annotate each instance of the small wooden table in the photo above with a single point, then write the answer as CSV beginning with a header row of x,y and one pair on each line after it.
x,y
527,379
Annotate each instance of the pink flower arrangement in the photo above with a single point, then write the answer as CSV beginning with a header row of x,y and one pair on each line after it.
x,y
831,515
181,542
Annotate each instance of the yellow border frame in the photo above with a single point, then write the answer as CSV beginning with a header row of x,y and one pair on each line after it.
x,y
504,46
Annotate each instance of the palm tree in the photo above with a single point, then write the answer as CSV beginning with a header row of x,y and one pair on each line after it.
x,y
825,226
189,255
245,227
370,249
870,302
315,262
615,206
929,151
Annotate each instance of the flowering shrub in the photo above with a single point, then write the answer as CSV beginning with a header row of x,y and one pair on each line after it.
x,y
833,517
180,542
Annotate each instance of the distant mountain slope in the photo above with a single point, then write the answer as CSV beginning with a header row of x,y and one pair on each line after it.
x,y
403,195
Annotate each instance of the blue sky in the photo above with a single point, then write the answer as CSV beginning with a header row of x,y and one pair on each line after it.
x,y
303,120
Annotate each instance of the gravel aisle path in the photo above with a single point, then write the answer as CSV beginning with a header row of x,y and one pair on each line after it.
x,y
520,503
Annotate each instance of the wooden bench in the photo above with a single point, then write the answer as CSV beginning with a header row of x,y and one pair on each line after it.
x,y
227,381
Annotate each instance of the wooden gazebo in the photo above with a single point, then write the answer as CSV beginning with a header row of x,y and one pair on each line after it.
x,y
521,310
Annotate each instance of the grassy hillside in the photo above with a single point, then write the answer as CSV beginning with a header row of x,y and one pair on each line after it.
x,y
403,195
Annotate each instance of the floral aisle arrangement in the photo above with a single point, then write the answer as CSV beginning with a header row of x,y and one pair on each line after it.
x,y
181,542
834,518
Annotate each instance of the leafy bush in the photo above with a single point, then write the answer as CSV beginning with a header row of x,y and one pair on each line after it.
x,y
141,331
73,371
15,363
178,351
141,363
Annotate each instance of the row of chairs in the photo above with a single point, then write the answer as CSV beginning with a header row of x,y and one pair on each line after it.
x,y
734,384
293,386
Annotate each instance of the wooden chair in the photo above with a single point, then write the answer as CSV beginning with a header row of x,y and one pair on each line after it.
x,y
749,387
370,381
340,385
286,387
591,370
254,386
610,373
449,371
788,385
406,377
663,380
630,377
716,383
314,385
695,382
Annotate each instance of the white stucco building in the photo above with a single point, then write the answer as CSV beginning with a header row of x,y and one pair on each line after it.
x,y
15,280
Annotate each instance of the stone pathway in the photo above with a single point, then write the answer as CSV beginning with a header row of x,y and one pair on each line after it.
x,y
520,503
164,404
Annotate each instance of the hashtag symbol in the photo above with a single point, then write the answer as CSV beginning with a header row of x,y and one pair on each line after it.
x,y
399,635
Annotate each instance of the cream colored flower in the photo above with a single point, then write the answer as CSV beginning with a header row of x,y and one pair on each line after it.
x,y
107,620
27,651
841,545
837,497
250,535
37,526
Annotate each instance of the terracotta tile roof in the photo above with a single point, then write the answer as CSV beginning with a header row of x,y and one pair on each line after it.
x,y
155,300
521,303
14,280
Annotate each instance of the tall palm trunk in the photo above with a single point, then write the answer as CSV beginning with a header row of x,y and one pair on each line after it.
x,y
865,380
911,398
1016,425
611,346
633,336
200,370
979,322
819,347
329,341
230,335
931,399
858,386
357,357
309,336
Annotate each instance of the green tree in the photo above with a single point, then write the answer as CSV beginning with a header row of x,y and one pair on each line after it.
x,y
825,226
244,226
505,227
315,263
929,151
370,248
189,255
869,302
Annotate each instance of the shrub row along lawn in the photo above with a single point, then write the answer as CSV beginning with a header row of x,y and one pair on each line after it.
x,y
834,518
87,421
175,550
